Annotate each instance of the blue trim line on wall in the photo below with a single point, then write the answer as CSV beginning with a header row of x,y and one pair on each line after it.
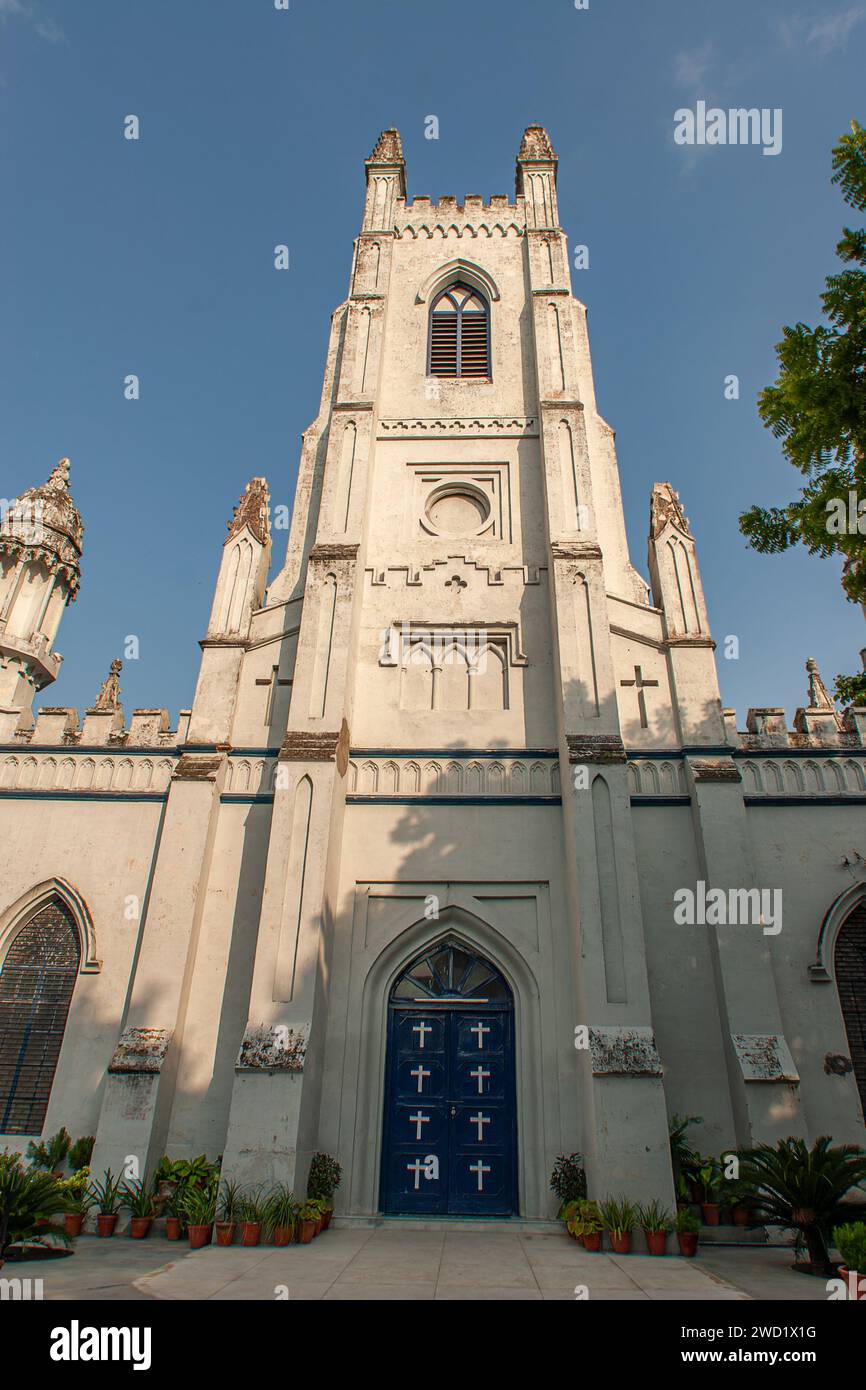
x,y
806,799
661,801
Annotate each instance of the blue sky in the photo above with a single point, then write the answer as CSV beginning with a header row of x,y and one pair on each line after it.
x,y
156,257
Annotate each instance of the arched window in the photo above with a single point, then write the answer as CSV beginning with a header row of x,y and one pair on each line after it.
x,y
37,978
450,971
459,333
850,961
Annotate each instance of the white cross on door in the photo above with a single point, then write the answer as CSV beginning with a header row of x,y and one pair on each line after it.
x,y
419,1119
417,1168
479,1121
420,1073
480,1029
423,1029
479,1074
479,1169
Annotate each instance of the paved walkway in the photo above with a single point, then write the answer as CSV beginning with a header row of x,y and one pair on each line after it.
x,y
389,1263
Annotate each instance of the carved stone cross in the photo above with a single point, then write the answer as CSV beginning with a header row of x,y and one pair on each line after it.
x,y
640,685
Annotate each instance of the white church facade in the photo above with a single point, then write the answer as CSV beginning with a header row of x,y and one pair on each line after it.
x,y
408,878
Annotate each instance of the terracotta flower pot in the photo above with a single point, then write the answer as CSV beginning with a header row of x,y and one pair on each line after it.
x,y
72,1223
139,1226
710,1212
620,1245
853,1279
592,1241
251,1232
225,1232
656,1242
199,1235
282,1235
741,1214
306,1232
105,1223
172,1227
320,1222
326,1220
688,1242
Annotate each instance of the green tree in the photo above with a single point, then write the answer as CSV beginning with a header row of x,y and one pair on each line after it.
x,y
817,408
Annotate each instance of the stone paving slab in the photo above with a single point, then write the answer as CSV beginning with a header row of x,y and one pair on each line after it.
x,y
396,1263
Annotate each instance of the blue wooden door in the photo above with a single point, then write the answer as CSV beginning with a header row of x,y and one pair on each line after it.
x,y
450,1133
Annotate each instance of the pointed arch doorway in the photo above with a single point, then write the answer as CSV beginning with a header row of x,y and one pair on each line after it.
x,y
450,1131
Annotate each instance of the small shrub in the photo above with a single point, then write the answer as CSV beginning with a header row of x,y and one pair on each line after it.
x,y
850,1241
568,1179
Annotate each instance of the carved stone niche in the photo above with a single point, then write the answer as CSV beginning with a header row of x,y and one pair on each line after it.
x,y
272,1047
618,1051
140,1051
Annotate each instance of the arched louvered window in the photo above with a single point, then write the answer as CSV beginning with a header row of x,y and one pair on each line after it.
x,y
459,333
37,978
850,962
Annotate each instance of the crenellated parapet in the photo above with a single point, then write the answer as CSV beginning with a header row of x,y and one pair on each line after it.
x,y
57,726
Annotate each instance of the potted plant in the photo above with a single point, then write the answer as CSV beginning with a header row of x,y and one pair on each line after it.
x,y
850,1241
49,1155
252,1216
324,1179
655,1221
740,1198
710,1180
802,1188
687,1227
307,1222
282,1215
585,1225
619,1219
138,1199
28,1201
106,1197
78,1201
685,1159
568,1180
199,1209
228,1209
173,1216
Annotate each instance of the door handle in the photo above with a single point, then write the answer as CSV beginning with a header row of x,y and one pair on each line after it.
x,y
453,1111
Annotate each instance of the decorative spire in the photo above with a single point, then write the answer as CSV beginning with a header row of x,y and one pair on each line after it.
x,y
536,144
819,696
252,511
44,524
665,506
388,148
58,479
108,698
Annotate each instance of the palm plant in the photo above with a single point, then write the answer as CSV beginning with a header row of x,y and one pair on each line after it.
x,y
28,1201
802,1188
81,1152
50,1154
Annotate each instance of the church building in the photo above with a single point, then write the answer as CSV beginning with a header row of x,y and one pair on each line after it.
x,y
457,862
